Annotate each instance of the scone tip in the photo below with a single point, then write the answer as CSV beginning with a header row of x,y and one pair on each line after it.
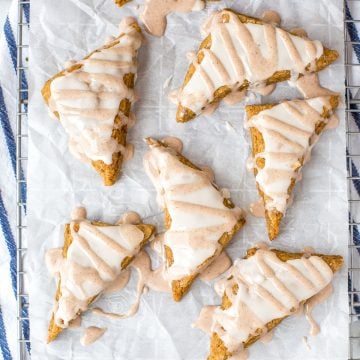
x,y
184,114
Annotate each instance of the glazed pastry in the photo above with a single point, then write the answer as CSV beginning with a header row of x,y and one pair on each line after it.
x,y
240,53
259,292
155,12
200,219
92,99
282,137
93,256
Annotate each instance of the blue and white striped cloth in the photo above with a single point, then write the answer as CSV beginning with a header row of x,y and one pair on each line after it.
x,y
8,90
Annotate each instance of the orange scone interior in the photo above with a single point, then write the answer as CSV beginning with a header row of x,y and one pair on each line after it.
x,y
92,99
200,221
260,291
93,256
240,52
283,136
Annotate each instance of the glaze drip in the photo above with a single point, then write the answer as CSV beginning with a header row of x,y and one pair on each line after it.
x,y
92,334
309,86
147,279
257,208
219,266
323,295
156,11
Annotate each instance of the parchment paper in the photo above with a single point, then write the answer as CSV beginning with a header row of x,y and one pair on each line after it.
x,y
69,29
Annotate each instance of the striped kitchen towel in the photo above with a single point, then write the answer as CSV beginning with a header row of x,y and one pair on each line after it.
x,y
8,108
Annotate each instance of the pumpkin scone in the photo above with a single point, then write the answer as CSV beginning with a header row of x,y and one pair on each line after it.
x,y
262,290
239,53
92,98
200,219
282,137
92,257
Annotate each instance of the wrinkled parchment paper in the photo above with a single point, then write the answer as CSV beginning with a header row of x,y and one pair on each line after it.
x,y
69,29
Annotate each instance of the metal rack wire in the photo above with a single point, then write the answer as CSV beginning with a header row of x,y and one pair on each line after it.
x,y
21,158
352,102
352,116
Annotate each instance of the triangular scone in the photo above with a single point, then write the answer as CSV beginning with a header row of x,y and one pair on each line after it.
x,y
92,99
200,221
93,255
260,291
240,52
282,137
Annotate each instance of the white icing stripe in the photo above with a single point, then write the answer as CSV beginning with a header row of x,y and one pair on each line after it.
x,y
102,267
198,214
92,262
87,100
105,239
288,130
244,51
267,289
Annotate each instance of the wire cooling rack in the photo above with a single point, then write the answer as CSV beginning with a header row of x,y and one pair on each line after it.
x,y
21,159
352,116
352,101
